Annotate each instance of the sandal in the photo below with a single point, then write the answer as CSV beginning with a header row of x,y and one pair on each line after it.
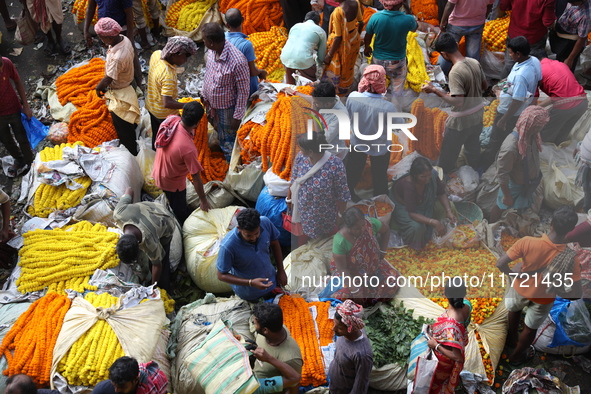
x,y
64,49
50,49
529,355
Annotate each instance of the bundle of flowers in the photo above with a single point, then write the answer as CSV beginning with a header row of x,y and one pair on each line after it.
x,y
267,48
259,15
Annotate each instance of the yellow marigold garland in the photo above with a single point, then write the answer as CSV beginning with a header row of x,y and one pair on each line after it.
x,y
417,72
168,301
490,111
267,48
28,346
190,14
298,320
88,360
494,35
50,198
65,258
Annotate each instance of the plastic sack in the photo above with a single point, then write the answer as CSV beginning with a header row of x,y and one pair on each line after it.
x,y
447,238
559,173
36,131
58,133
211,15
218,194
25,28
145,159
425,373
417,347
203,233
277,187
160,356
309,261
389,377
191,326
545,336
273,207
491,65
138,328
247,182
465,237
573,325
218,356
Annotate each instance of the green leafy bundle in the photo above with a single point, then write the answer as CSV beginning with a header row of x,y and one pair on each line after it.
x,y
390,330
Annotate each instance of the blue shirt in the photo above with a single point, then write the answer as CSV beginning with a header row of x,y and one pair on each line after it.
x,y
249,261
390,29
114,9
522,85
245,46
370,107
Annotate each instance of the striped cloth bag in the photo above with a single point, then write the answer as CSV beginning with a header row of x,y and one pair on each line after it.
x,y
220,363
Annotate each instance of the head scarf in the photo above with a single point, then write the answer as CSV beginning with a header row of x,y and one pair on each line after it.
x,y
389,4
167,130
351,315
178,45
107,27
374,76
531,120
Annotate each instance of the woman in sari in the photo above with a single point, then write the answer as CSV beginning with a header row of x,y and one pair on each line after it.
x,y
346,24
449,338
421,204
358,250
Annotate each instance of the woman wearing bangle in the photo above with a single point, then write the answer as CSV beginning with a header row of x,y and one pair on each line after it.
x,y
421,204
450,338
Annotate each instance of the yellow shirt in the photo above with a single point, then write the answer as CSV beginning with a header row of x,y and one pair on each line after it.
x,y
162,81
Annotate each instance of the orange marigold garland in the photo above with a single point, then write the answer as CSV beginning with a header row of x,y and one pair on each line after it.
x,y
324,324
75,84
267,48
91,123
248,151
28,346
259,15
426,10
299,321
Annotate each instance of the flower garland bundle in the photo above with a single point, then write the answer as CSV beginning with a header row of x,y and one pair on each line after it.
x,y
49,198
259,15
28,346
248,151
79,9
88,360
214,164
174,11
428,130
65,258
74,85
367,13
283,126
324,324
191,15
426,10
490,111
417,72
300,324
168,302
91,123
267,48
494,35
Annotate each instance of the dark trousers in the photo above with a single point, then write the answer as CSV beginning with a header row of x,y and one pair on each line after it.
x,y
452,144
164,281
326,12
178,203
155,124
379,176
497,136
125,133
563,47
587,191
20,149
294,11
562,122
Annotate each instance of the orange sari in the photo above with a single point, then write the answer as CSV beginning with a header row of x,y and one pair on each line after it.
x,y
341,70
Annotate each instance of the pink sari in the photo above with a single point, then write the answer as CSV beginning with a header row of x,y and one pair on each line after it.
x,y
448,332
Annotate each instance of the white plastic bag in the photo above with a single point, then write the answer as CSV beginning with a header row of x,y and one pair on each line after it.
x,y
491,65
447,238
145,158
277,186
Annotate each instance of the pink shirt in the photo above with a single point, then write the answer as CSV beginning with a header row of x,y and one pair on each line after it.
x,y
557,82
175,161
469,12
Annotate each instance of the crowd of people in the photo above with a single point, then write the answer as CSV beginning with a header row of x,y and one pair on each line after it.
x,y
324,46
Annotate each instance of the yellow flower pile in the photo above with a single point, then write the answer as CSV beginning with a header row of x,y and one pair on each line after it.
x,y
494,35
50,198
88,360
168,302
267,48
185,100
65,258
490,111
417,72
191,15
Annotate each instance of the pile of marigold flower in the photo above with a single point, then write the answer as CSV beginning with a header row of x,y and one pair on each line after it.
x,y
91,123
426,11
28,346
417,72
65,258
428,130
88,360
214,164
267,48
490,111
187,14
259,15
299,322
494,35
49,198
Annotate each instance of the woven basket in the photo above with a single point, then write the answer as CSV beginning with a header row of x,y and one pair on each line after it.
x,y
468,212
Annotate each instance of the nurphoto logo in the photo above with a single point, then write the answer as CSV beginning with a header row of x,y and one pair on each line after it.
x,y
395,121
